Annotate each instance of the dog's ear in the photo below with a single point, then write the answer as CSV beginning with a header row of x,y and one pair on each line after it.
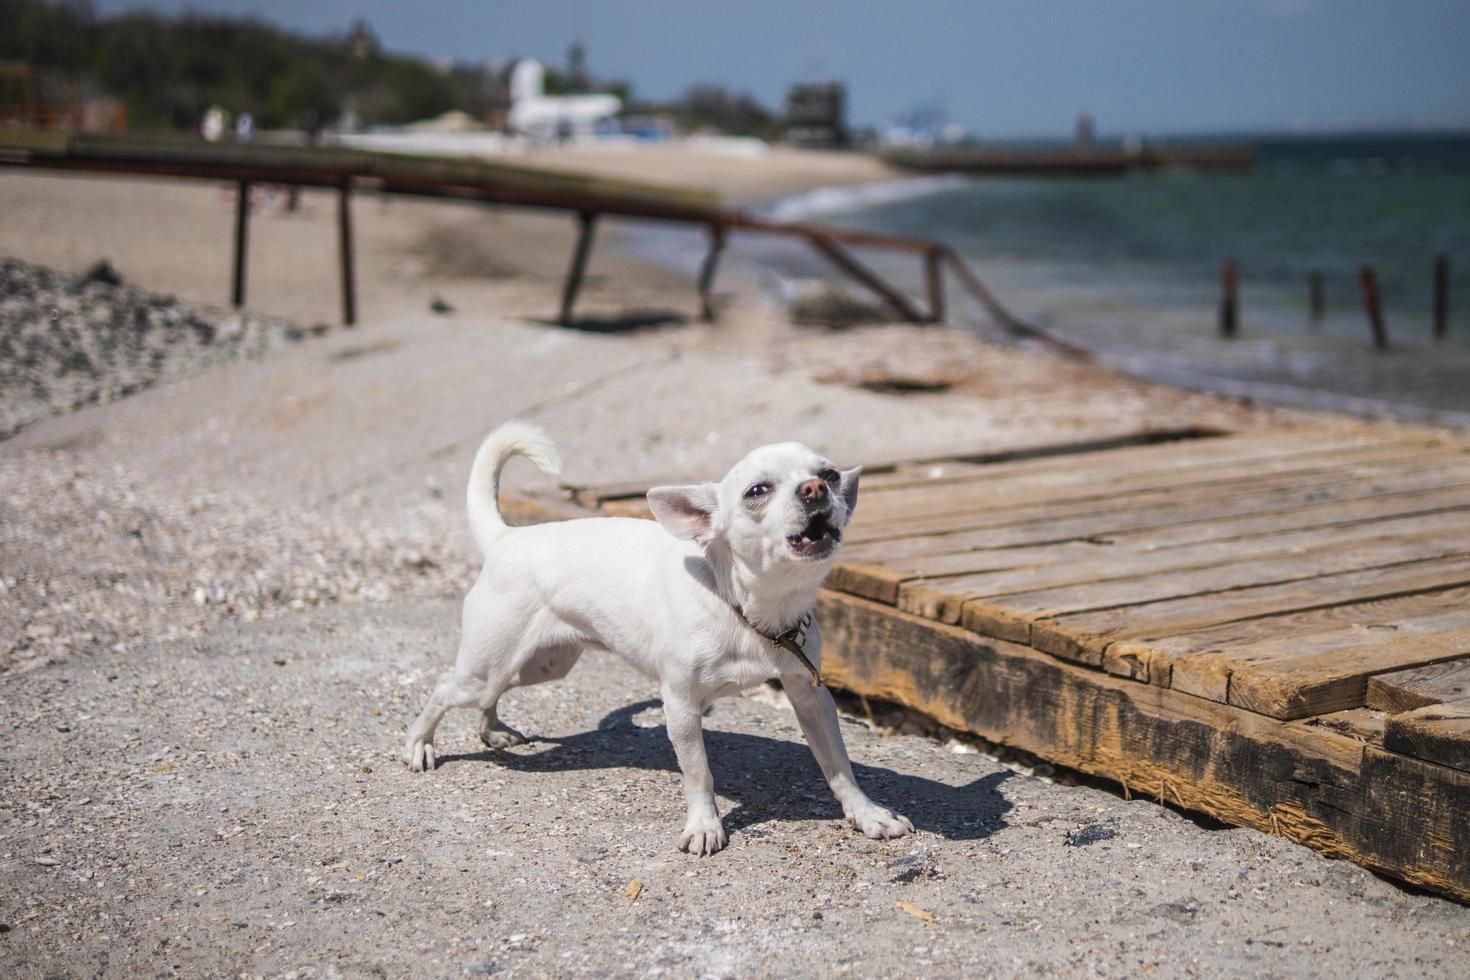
x,y
685,512
850,487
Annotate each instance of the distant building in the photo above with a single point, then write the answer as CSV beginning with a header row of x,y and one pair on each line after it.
x,y
816,115
542,116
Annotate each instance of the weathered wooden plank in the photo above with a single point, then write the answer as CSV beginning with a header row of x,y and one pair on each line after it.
x,y
1085,481
1419,687
1209,454
1082,636
1336,513
1439,733
1137,593
868,579
1333,517
1015,530
1312,675
1153,658
1321,788
936,508
1362,724
1164,572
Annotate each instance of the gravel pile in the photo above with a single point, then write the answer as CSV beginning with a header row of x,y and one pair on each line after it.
x,y
159,565
69,341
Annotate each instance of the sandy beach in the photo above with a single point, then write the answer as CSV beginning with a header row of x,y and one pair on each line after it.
x,y
223,594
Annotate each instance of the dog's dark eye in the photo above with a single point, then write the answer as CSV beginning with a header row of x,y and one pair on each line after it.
x,y
829,475
757,490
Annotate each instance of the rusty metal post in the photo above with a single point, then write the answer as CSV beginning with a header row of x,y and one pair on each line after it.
x,y
1012,324
344,252
849,264
1373,304
707,272
587,220
1229,299
934,280
1441,297
1316,297
242,242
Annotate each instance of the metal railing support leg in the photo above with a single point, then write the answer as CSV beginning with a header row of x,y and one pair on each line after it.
x,y
344,252
849,264
707,272
242,242
588,223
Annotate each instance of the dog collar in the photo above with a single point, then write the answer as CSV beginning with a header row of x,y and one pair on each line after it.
x,y
792,639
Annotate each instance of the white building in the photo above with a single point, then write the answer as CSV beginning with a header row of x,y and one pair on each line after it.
x,y
543,116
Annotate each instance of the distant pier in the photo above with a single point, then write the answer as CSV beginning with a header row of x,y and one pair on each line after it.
x,y
1072,160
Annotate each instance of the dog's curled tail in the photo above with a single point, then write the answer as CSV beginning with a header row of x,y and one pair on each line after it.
x,y
514,438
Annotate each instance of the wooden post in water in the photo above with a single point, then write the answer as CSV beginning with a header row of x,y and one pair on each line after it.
x,y
1229,299
344,252
1441,297
1373,305
934,281
1316,298
242,242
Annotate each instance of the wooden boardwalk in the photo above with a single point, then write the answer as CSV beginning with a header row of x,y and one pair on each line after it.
x,y
1272,628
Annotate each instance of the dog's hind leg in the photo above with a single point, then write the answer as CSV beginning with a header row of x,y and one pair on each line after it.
x,y
551,663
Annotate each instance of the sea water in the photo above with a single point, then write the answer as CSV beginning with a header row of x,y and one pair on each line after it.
x,y
1130,266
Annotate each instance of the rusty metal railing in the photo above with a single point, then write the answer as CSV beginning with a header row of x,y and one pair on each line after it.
x,y
589,198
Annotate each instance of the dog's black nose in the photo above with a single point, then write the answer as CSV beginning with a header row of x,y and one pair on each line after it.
x,y
812,491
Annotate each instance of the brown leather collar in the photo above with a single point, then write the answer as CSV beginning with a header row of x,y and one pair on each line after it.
x,y
792,639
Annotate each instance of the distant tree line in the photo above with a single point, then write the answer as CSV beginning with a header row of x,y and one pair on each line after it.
x,y
168,70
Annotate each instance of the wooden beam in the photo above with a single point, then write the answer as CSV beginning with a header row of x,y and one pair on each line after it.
x,y
1319,787
1229,299
1441,297
587,224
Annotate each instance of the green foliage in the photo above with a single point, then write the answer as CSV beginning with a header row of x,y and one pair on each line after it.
x,y
168,71
715,107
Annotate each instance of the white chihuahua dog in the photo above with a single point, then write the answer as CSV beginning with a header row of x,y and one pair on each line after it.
x,y
713,599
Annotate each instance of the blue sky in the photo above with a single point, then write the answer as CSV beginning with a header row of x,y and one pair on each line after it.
x,y
1004,68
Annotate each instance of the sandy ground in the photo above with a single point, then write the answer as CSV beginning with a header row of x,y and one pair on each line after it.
x,y
222,599
231,805
740,178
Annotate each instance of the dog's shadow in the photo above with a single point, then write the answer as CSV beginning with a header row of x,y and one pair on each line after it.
x,y
769,778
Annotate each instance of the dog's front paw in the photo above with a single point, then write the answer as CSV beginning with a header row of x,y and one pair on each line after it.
x,y
419,755
702,836
880,823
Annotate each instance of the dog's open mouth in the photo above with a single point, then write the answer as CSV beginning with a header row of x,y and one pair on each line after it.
x,y
818,539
